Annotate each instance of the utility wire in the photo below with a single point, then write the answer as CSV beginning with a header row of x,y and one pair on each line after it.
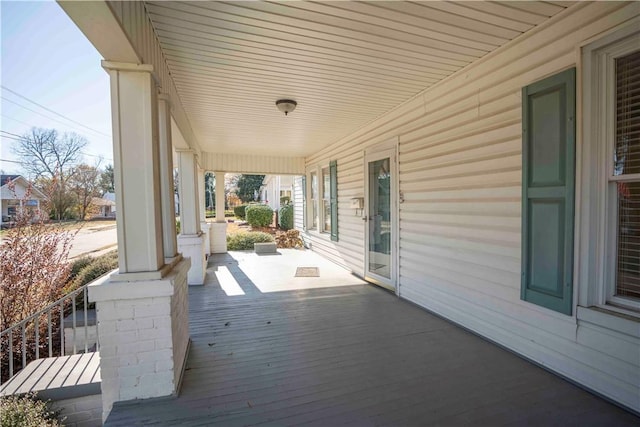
x,y
16,137
44,115
52,111
12,134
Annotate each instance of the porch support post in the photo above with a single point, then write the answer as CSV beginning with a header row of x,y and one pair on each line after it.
x,y
219,228
190,241
143,309
170,244
204,225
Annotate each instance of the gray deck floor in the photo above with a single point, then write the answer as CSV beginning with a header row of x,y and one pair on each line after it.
x,y
351,355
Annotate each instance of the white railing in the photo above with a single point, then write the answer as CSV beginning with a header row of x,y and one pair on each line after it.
x,y
45,330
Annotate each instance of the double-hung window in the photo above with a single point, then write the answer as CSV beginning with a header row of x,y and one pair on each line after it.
x,y
323,200
314,201
610,237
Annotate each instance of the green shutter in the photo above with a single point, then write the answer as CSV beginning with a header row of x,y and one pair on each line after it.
x,y
333,177
548,180
304,202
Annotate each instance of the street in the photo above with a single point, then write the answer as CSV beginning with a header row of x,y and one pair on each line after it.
x,y
92,240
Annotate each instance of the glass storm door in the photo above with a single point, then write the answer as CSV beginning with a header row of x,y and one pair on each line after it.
x,y
380,219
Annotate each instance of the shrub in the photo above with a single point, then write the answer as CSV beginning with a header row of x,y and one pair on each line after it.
x,y
177,225
259,215
243,241
34,265
26,411
289,239
77,265
97,267
285,200
240,211
285,217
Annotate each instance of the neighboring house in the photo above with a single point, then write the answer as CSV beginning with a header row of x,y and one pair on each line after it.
x,y
479,160
274,188
106,205
14,200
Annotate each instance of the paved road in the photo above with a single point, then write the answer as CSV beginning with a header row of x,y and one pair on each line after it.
x,y
90,240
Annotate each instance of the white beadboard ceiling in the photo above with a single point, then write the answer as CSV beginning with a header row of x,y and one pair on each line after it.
x,y
345,63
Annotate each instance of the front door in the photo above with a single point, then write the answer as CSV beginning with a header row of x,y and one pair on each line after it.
x,y
380,241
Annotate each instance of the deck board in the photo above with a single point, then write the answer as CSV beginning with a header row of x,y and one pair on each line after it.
x,y
58,378
352,355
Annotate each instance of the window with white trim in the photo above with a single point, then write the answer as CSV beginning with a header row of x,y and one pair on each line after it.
x,y
322,200
326,201
314,201
610,207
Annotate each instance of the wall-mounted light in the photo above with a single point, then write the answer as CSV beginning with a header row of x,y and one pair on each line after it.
x,y
286,105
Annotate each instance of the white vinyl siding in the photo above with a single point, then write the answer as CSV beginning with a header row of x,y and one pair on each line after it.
x,y
298,203
460,224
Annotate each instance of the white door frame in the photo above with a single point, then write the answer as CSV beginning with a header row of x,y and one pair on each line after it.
x,y
387,149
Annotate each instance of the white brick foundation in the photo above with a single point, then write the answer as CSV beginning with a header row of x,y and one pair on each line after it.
x,y
218,237
192,246
144,333
204,226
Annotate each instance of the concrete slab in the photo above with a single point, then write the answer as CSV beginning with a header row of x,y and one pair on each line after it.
x,y
244,272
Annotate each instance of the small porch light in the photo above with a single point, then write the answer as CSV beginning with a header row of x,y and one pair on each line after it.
x,y
286,105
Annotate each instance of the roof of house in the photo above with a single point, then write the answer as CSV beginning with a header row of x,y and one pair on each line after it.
x,y
98,201
6,179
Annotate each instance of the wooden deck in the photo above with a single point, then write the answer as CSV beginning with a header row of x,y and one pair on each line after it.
x,y
354,355
57,378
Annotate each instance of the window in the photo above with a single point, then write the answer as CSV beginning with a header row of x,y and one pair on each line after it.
x,y
548,175
314,201
611,172
326,201
324,209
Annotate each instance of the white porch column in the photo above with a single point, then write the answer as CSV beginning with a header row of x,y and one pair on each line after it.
x,y
219,228
143,309
167,203
190,240
204,225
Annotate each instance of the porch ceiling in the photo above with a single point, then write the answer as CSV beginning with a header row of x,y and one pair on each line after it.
x,y
345,63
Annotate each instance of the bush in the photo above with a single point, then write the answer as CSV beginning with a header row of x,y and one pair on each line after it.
x,y
240,211
97,267
285,200
26,411
177,225
285,217
77,266
259,215
243,241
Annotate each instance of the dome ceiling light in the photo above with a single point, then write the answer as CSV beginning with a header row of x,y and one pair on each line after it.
x,y
286,105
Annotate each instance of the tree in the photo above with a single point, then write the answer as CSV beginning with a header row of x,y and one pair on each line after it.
x,y
248,185
85,183
209,190
33,272
107,183
50,159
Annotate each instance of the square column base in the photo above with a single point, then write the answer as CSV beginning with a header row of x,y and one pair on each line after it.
x,y
218,237
204,226
192,246
143,327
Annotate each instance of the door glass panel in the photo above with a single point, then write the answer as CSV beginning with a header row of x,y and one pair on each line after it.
x,y
380,218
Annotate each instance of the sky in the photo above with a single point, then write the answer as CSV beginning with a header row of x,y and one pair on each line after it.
x,y
44,58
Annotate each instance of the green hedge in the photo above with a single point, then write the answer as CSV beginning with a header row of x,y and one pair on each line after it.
x,y
285,217
259,215
92,268
240,211
26,411
243,241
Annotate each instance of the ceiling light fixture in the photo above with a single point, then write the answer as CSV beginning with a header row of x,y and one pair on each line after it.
x,y
286,105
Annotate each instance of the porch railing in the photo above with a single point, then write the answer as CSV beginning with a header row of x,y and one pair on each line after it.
x,y
43,333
